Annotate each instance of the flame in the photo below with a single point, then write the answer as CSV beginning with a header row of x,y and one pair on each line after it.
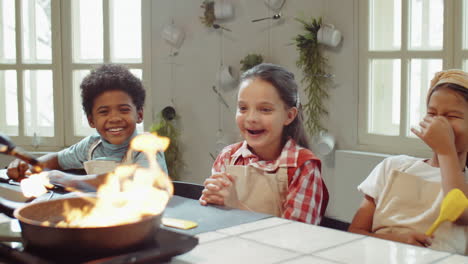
x,y
129,193
35,185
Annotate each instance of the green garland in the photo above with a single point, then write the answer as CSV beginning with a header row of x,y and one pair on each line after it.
x,y
313,64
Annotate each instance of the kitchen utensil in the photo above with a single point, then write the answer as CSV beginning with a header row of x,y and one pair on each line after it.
x,y
78,240
173,34
9,148
324,143
226,77
329,35
275,16
274,5
218,26
7,142
223,10
453,205
220,97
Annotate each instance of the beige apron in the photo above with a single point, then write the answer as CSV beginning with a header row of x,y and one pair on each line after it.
x,y
410,203
258,190
100,166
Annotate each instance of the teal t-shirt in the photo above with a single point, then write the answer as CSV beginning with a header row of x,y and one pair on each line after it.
x,y
74,156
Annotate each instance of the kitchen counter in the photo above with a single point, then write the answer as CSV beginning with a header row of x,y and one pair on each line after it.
x,y
233,236
276,240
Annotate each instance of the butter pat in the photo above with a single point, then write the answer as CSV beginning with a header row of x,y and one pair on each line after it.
x,y
179,223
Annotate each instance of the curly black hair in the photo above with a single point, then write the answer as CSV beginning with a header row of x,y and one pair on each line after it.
x,y
111,77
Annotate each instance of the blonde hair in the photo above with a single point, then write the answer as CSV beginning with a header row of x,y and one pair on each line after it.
x,y
452,76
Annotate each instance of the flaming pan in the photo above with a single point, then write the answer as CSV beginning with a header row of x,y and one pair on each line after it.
x,y
78,240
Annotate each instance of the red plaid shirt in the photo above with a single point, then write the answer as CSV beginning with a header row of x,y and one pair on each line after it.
x,y
305,186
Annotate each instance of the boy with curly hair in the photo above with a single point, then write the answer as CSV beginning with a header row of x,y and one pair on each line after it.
x,y
113,99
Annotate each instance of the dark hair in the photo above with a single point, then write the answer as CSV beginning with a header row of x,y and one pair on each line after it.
x,y
455,87
287,88
111,77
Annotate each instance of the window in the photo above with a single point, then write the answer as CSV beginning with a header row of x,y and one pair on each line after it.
x,y
47,47
402,43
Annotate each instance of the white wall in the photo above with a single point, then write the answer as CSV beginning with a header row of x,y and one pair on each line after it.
x,y
188,81
199,59
352,167
343,103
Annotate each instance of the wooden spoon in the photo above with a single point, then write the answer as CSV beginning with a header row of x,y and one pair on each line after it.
x,y
453,205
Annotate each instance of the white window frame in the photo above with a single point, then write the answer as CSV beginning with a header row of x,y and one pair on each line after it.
x,y
62,68
69,66
55,66
451,54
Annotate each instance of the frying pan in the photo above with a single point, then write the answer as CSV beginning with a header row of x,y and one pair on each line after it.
x,y
71,240
78,240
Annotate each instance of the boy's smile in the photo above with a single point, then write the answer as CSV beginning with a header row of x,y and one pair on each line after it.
x,y
115,116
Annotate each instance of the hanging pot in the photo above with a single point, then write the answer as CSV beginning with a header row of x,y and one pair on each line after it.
x,y
168,113
173,34
223,10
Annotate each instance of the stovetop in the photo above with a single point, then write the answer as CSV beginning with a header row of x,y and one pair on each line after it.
x,y
166,245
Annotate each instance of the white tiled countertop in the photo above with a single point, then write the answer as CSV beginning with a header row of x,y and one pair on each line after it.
x,y
276,240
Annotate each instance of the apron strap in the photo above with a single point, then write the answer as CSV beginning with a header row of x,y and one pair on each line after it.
x,y
127,158
92,148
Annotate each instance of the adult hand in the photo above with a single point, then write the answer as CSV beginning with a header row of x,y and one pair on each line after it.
x,y
216,189
17,170
437,133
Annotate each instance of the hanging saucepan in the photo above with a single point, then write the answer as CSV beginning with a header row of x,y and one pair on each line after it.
x,y
82,241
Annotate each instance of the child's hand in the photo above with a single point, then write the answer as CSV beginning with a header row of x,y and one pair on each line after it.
x,y
437,133
18,170
415,238
61,178
71,182
215,191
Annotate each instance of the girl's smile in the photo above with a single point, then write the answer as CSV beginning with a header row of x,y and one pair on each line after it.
x,y
256,132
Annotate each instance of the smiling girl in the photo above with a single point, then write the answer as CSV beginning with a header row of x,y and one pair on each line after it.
x,y
271,171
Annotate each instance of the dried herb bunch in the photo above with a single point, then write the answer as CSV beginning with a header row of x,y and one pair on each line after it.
x,y
251,60
314,65
208,17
